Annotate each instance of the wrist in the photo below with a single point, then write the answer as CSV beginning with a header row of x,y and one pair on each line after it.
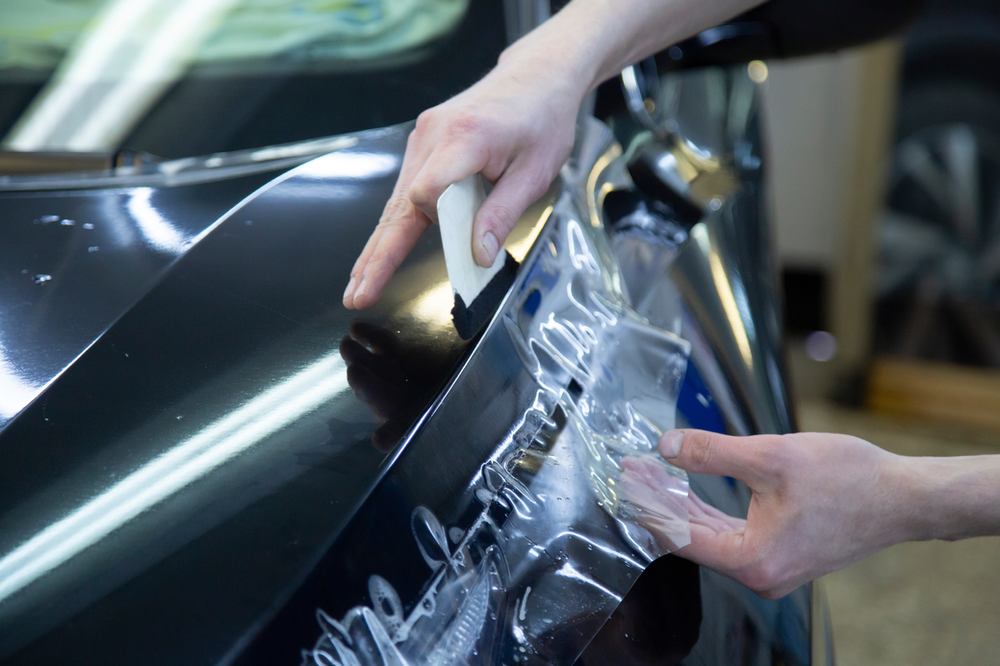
x,y
914,489
552,53
951,498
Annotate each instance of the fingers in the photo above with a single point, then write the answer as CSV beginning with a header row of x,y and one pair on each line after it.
x,y
398,230
706,514
719,551
449,163
749,459
435,158
397,233
518,188
718,541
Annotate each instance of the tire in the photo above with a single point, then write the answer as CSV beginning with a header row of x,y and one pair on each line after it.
x,y
938,295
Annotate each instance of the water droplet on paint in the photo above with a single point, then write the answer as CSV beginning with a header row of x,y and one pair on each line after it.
x,y
42,278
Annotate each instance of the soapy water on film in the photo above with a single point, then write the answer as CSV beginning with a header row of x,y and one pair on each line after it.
x,y
560,532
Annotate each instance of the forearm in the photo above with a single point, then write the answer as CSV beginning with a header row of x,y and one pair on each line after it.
x,y
952,498
515,126
595,39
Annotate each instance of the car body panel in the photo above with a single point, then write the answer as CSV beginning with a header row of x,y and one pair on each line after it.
x,y
242,314
211,462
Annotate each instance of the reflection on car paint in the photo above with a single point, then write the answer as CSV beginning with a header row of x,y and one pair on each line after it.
x,y
554,521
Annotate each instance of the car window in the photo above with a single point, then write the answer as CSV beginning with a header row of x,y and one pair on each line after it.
x,y
177,78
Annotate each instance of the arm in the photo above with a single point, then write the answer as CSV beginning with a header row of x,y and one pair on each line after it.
x,y
515,126
823,501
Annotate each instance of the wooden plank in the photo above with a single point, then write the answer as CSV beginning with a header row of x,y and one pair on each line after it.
x,y
938,391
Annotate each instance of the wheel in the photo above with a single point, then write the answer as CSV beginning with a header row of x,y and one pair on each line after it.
x,y
938,294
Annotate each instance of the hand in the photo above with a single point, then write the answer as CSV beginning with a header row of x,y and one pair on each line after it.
x,y
515,127
820,502
647,485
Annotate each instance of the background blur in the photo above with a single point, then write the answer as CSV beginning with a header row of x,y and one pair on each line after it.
x,y
885,165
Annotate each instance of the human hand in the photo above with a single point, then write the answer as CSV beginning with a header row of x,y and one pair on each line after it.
x,y
820,502
515,127
647,485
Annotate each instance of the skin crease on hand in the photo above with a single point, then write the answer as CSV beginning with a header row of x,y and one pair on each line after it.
x,y
820,502
516,125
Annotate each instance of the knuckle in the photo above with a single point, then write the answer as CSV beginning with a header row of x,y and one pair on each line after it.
x,y
420,194
398,208
772,456
463,123
425,121
702,451
765,577
502,218
381,266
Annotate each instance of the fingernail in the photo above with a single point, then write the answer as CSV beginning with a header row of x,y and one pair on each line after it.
x,y
350,287
490,246
361,289
670,444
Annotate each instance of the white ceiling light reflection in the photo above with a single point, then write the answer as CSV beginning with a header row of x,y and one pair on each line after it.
x,y
163,476
304,148
15,391
157,230
350,165
121,66
699,233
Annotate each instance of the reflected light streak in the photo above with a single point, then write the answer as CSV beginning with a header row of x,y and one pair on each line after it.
x,y
433,304
350,165
136,68
700,233
520,247
158,63
303,148
158,231
15,391
567,570
181,465
599,166
80,72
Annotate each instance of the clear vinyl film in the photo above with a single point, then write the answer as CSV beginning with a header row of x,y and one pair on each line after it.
x,y
556,525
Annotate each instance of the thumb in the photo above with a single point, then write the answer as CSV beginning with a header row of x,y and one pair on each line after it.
x,y
749,459
511,196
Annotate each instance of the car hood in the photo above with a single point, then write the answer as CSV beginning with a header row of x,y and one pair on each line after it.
x,y
223,367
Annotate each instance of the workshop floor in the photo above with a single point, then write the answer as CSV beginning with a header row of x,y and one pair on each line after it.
x,y
922,603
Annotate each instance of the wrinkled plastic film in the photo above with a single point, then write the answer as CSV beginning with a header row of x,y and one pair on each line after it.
x,y
561,520
615,376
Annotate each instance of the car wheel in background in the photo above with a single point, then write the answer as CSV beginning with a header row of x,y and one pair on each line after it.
x,y
938,294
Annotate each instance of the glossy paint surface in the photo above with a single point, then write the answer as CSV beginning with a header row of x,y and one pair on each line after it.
x,y
221,462
196,459
72,262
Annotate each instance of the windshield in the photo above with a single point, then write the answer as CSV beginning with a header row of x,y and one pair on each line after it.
x,y
177,78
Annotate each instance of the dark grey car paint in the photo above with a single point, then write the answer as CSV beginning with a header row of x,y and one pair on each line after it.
x,y
197,576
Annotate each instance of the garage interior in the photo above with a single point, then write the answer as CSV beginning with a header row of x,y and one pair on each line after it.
x,y
900,369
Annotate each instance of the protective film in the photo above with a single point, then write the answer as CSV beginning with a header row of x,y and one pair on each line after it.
x,y
551,532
